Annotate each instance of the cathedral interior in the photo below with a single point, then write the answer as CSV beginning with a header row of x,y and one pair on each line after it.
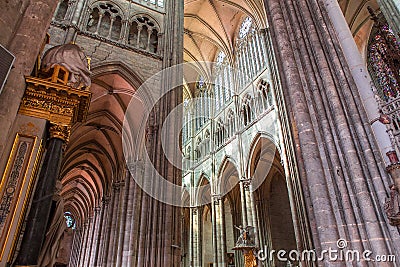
x,y
199,133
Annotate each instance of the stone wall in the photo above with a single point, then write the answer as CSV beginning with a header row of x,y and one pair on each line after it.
x,y
23,26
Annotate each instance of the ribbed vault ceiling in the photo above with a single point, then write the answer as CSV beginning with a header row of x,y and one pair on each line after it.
x,y
94,158
358,19
211,26
94,155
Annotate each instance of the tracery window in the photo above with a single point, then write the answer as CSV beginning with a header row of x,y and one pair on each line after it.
x,y
251,53
223,83
247,112
62,9
105,20
159,3
186,121
203,103
206,143
143,34
198,149
219,133
384,60
245,27
264,95
231,123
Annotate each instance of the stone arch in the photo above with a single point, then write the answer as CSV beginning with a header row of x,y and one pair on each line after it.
x,y
228,176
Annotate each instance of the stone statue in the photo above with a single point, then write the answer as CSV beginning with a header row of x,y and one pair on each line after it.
x,y
72,58
245,239
392,206
54,235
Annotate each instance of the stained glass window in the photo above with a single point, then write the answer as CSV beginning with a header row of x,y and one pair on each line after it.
x,y
201,82
69,220
384,61
220,57
245,27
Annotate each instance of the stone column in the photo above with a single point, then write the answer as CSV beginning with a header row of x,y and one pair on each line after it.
x,y
39,213
391,11
95,238
107,231
333,139
250,207
360,74
102,232
85,233
123,219
114,222
90,243
195,233
219,231
214,230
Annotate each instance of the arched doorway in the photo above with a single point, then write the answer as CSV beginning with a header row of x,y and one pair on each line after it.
x,y
272,202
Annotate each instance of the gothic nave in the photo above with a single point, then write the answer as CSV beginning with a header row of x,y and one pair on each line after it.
x,y
199,133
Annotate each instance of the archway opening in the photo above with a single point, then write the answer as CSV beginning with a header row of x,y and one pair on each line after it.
x,y
272,201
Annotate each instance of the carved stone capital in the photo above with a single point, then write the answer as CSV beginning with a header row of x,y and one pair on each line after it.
x,y
217,199
117,185
246,183
106,200
60,131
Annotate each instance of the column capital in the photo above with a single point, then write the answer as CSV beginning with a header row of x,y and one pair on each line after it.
x,y
60,131
216,198
106,200
246,182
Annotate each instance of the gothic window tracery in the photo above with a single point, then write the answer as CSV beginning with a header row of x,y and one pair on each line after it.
x,y
223,84
247,112
231,123
105,20
186,121
206,143
264,95
143,34
62,9
250,56
198,149
219,133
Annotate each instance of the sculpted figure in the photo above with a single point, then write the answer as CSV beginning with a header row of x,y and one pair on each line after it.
x,y
245,237
71,57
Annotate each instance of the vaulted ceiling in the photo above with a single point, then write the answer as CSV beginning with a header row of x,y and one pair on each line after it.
x,y
211,26
358,19
94,158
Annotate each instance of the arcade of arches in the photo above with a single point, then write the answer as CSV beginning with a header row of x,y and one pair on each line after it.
x,y
288,125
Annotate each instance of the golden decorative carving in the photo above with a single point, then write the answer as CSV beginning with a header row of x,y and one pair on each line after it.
x,y
249,259
14,179
55,102
60,131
